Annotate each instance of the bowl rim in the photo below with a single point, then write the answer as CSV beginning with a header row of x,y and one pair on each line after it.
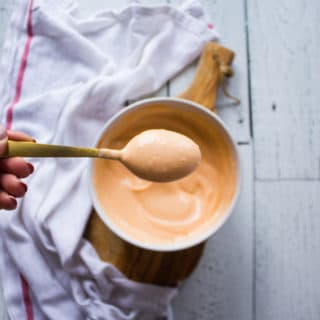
x,y
179,245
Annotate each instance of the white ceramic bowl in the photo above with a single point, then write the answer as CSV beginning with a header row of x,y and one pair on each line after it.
x,y
141,109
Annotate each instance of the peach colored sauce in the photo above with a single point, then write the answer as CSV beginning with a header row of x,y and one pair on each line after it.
x,y
161,155
166,213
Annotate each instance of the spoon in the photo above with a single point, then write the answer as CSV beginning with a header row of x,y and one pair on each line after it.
x,y
157,155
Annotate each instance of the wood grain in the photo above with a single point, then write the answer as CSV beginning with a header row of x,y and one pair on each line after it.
x,y
209,75
288,250
285,77
228,17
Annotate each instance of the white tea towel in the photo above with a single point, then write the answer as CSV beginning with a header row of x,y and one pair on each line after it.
x,y
61,77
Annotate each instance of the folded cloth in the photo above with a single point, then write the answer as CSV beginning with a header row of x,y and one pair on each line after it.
x,y
61,77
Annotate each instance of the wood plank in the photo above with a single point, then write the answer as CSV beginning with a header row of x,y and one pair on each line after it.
x,y
288,250
285,76
229,19
221,286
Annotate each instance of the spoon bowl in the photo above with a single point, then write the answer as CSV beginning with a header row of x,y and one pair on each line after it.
x,y
161,155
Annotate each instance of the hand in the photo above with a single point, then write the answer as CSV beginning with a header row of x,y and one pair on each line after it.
x,y
11,170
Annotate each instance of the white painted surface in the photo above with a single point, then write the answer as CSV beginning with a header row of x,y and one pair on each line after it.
x,y
288,250
264,263
285,68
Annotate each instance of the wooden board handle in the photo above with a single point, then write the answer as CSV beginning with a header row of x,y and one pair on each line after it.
x,y
214,64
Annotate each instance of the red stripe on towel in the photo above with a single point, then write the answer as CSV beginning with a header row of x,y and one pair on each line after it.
x,y
26,298
22,68
23,65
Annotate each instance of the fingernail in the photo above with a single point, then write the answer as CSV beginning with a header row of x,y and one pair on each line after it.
x,y
24,186
3,132
31,168
13,201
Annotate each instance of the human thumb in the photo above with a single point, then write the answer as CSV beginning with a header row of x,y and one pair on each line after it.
x,y
3,139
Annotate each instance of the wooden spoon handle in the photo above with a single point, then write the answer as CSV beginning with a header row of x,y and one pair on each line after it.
x,y
31,149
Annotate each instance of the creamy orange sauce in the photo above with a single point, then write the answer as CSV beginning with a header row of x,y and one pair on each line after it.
x,y
161,155
168,213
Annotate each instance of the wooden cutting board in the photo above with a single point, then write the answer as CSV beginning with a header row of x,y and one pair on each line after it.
x,y
165,268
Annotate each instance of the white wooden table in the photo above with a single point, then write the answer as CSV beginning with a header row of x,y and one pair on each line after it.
x,y
264,264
